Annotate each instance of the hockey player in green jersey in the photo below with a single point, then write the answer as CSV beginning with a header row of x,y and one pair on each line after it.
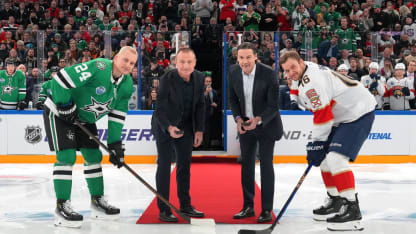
x,y
12,87
87,92
45,91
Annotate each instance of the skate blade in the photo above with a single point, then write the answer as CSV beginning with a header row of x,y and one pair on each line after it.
x,y
61,222
323,218
103,216
347,226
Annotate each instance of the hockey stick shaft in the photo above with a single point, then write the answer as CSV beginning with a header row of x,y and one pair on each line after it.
x,y
94,138
291,196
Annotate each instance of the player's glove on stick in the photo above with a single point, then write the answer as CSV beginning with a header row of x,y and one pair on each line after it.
x,y
406,91
68,112
316,152
21,105
116,153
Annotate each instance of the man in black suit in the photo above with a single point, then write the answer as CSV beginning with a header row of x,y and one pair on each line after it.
x,y
254,96
211,109
178,124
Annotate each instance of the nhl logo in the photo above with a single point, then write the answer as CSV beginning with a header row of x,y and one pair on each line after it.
x,y
33,134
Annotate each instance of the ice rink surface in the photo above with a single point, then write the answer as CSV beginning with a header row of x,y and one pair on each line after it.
x,y
386,193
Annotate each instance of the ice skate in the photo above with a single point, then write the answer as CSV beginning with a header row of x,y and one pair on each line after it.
x,y
100,209
65,216
331,207
348,219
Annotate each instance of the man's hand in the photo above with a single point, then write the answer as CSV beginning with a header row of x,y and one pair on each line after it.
x,y
240,127
173,132
316,152
68,112
253,123
116,153
214,104
198,139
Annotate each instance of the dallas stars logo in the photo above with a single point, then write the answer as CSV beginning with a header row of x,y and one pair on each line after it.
x,y
8,89
98,108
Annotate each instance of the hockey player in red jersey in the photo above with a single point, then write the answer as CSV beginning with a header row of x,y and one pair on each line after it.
x,y
343,113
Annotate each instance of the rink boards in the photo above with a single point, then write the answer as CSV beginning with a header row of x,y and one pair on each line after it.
x,y
393,134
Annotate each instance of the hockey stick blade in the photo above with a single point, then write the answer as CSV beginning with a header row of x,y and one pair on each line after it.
x,y
246,231
282,211
200,222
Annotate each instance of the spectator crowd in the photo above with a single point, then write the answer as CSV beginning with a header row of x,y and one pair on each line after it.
x,y
371,41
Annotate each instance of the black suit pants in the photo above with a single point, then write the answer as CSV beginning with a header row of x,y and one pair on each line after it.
x,y
248,145
183,149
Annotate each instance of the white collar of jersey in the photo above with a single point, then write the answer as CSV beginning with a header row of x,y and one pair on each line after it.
x,y
118,80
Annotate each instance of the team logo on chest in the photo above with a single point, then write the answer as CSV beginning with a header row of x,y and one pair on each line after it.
x,y
313,98
98,108
8,89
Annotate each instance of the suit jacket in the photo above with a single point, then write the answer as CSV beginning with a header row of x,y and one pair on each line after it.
x,y
170,104
265,97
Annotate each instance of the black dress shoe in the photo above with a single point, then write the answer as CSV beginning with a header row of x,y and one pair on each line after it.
x,y
167,217
192,212
244,213
265,216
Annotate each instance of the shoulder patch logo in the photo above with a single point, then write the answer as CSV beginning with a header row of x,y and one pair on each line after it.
x,y
33,134
100,65
314,98
2,80
100,90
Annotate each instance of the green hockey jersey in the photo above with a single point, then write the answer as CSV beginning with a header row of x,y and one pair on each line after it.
x,y
12,89
347,40
95,92
45,91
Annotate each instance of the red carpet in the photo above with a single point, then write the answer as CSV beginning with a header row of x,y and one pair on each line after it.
x,y
215,190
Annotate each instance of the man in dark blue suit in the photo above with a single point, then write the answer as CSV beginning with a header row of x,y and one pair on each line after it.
x,y
254,95
178,125
328,49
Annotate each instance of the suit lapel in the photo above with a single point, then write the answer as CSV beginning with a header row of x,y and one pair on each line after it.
x,y
240,88
177,90
255,84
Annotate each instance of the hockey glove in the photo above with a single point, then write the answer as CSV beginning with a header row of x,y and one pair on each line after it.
x,y
374,76
386,106
294,105
68,112
21,105
406,91
373,86
116,153
316,152
39,105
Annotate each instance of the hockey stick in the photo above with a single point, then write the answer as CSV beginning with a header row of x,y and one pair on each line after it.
x,y
201,222
270,229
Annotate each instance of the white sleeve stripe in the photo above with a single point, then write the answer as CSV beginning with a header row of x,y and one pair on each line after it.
x,y
118,112
67,78
60,82
116,120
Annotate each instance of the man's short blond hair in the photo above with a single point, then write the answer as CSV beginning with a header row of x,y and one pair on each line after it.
x,y
129,49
